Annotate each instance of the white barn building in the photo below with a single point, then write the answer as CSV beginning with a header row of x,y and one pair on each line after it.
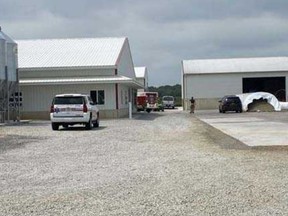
x,y
101,67
142,77
209,80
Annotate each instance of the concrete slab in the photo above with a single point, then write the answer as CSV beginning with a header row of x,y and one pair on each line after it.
x,y
252,129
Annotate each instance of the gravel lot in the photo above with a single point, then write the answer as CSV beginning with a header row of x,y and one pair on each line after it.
x,y
166,163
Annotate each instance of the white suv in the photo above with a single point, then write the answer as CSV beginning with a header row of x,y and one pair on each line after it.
x,y
70,109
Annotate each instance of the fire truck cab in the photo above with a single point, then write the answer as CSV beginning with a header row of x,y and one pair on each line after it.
x,y
148,101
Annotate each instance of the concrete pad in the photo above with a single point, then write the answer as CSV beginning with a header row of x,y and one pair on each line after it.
x,y
252,131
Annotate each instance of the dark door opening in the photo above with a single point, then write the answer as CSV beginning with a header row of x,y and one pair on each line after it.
x,y
93,95
273,85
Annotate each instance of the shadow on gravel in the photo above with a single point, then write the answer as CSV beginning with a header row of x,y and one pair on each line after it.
x,y
175,108
81,128
270,148
10,142
147,116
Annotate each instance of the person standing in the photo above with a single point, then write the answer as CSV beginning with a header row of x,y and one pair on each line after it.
x,y
192,105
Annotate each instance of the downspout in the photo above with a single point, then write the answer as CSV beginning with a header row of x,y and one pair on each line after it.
x,y
183,87
117,99
18,99
117,96
8,93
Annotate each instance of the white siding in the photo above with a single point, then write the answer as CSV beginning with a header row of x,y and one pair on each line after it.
x,y
39,98
125,64
65,73
123,95
235,65
218,85
141,81
142,76
211,86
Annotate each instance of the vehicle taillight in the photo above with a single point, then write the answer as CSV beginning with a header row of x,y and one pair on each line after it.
x,y
85,109
52,109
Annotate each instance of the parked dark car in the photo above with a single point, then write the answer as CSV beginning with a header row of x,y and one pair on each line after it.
x,y
230,103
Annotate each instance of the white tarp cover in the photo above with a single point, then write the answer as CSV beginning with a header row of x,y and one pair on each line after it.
x,y
248,98
284,105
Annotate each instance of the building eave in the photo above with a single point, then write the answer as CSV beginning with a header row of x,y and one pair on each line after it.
x,y
67,68
240,72
82,80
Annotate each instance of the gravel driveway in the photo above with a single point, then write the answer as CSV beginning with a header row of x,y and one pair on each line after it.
x,y
166,163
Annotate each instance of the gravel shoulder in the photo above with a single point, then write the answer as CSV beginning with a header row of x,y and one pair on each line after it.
x,y
168,163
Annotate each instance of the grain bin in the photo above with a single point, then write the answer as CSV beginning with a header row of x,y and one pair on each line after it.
x,y
2,58
12,60
8,74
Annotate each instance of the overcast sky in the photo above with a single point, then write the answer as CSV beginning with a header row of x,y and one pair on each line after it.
x,y
161,33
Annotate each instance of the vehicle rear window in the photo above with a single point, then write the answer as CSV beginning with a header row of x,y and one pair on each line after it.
x,y
168,98
68,100
233,99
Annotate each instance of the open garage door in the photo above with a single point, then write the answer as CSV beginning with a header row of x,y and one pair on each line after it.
x,y
273,85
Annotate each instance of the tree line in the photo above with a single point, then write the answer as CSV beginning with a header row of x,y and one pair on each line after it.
x,y
168,90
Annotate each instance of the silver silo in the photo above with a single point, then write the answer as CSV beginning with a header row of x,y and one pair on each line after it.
x,y
8,78
2,59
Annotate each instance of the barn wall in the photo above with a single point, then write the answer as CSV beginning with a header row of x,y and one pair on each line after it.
x,y
207,89
64,73
125,62
37,99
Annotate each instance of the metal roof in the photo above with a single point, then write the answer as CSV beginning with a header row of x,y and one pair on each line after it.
x,y
57,53
140,72
236,65
81,80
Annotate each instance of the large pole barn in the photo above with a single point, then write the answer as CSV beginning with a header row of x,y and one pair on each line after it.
x,y
211,79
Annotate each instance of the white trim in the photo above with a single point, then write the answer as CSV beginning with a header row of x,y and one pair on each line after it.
x,y
236,65
81,80
67,68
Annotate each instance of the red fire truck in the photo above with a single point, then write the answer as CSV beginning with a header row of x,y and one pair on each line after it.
x,y
148,101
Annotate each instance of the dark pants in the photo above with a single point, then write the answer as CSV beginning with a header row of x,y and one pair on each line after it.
x,y
192,108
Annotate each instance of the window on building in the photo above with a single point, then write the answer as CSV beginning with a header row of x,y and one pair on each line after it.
x,y
98,96
15,99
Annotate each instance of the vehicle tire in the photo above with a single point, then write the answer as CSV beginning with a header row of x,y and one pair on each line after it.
x,y
148,110
96,123
89,124
55,126
223,111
